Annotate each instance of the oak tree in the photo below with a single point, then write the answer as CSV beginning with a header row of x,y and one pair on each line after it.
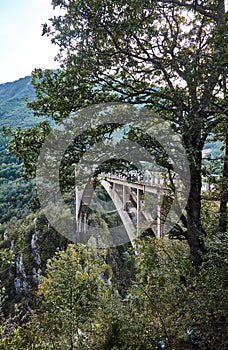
x,y
169,55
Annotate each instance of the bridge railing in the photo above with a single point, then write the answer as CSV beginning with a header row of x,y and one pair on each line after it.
x,y
148,178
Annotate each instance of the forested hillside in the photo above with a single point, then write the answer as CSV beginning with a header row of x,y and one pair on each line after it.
x,y
13,110
15,193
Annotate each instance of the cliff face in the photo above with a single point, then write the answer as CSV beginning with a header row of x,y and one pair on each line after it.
x,y
25,246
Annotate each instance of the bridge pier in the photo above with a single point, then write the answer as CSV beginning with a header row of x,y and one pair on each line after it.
x,y
138,210
159,230
124,197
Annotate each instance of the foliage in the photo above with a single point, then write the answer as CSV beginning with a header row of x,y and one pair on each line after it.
x,y
175,298
15,193
170,56
159,54
72,295
169,301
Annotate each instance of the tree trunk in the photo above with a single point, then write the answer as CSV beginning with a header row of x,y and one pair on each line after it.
x,y
194,232
220,11
224,189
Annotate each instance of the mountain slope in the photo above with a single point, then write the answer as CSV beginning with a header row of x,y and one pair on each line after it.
x,y
13,109
15,193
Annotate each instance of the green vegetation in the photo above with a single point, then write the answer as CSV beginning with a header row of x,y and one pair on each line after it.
x,y
15,193
167,302
13,109
167,55
167,293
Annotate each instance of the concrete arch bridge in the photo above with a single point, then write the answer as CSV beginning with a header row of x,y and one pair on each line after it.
x,y
139,204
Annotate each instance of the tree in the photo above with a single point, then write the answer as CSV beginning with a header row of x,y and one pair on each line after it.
x,y
224,187
174,298
168,55
169,301
71,296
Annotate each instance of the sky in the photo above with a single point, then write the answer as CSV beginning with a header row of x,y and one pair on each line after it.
x,y
22,47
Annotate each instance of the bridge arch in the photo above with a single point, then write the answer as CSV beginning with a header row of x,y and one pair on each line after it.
x,y
127,203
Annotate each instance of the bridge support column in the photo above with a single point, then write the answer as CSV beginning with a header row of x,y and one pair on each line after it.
x,y
129,225
124,197
159,231
77,205
85,223
138,209
79,223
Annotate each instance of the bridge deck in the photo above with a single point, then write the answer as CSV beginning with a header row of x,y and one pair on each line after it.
x,y
150,187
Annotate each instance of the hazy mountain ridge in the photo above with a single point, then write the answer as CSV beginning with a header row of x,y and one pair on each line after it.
x,y
13,109
16,88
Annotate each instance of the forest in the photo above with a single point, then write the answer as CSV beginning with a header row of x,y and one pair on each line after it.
x,y
165,58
